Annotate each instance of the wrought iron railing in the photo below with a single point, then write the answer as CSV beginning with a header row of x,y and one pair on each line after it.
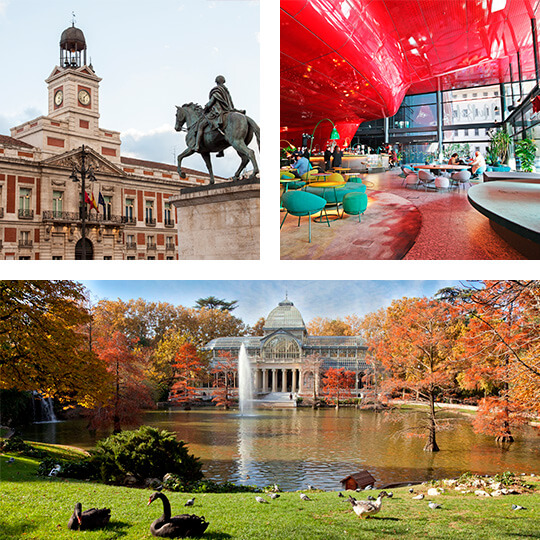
x,y
151,247
131,245
151,222
58,216
168,223
25,213
25,243
1,212
130,220
169,247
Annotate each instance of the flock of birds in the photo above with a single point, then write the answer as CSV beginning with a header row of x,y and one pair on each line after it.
x,y
191,525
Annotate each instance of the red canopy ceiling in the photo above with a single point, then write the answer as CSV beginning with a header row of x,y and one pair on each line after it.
x,y
355,60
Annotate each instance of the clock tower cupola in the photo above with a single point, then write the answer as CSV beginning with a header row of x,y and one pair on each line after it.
x,y
72,48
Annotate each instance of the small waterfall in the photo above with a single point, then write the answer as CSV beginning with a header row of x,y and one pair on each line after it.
x,y
46,408
245,383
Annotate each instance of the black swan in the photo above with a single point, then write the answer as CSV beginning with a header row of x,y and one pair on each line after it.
x,y
177,526
94,518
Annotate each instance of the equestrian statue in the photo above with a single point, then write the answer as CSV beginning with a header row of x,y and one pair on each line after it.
x,y
215,128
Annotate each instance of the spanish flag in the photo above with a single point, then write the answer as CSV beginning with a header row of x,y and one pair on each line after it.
x,y
94,203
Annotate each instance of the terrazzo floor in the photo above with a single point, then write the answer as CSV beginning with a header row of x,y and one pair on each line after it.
x,y
450,229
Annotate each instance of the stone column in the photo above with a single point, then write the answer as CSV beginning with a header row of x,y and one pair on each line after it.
x,y
301,375
283,380
265,380
294,381
274,380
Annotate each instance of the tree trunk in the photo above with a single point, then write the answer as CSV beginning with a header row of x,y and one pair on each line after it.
x,y
431,444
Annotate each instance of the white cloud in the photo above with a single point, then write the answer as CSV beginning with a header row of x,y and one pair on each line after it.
x,y
137,134
3,7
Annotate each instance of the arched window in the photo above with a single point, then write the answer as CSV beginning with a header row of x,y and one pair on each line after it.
x,y
281,348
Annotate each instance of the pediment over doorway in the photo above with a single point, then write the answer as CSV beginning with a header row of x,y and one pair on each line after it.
x,y
69,159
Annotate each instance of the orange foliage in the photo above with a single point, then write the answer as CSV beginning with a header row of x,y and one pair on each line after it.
x,y
188,368
337,385
130,396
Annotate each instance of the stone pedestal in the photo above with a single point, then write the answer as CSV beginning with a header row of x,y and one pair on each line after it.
x,y
219,222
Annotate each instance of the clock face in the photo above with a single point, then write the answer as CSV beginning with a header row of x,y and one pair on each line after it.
x,y
84,97
58,97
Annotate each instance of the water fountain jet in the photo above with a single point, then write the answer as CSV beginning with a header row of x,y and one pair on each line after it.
x,y
245,383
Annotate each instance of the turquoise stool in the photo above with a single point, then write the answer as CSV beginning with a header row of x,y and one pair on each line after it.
x,y
355,203
300,203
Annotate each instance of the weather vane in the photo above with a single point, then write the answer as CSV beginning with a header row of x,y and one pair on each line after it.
x,y
72,18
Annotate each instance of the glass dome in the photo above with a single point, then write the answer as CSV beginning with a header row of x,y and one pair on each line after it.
x,y
285,315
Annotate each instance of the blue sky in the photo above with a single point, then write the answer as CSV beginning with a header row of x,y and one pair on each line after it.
x,y
327,298
151,57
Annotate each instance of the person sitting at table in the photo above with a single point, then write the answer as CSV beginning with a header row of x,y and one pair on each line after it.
x,y
478,164
337,155
454,159
302,165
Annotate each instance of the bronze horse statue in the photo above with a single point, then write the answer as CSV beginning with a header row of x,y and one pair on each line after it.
x,y
238,131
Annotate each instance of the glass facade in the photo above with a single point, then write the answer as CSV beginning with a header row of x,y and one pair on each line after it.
x,y
469,116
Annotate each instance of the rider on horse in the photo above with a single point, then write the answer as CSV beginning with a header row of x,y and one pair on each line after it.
x,y
219,105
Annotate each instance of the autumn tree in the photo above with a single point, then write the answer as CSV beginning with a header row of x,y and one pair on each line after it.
x,y
146,322
502,346
257,328
416,344
188,368
337,384
44,342
224,371
130,396
349,326
196,326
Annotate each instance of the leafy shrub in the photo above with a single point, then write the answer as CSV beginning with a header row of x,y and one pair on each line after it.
x,y
173,482
81,469
17,444
144,453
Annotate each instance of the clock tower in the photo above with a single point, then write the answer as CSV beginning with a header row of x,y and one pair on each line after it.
x,y
73,105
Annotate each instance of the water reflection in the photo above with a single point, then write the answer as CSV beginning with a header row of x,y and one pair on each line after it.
x,y
294,448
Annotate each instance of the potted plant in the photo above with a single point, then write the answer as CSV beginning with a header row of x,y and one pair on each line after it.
x,y
498,149
526,152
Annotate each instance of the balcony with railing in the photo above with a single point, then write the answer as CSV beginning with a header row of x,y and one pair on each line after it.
x,y
25,243
131,245
169,223
169,247
57,216
150,222
25,213
151,247
130,220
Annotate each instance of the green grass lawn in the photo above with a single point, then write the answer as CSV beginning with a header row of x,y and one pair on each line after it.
x,y
32,507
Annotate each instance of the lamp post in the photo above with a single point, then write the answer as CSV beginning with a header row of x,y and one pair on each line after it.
x,y
84,171
334,136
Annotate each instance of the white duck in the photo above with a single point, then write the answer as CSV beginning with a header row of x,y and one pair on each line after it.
x,y
364,509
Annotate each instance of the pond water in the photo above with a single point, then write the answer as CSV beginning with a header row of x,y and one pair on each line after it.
x,y
297,447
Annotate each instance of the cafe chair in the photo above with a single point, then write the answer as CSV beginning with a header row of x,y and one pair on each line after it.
x,y
355,203
300,203
461,177
442,182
